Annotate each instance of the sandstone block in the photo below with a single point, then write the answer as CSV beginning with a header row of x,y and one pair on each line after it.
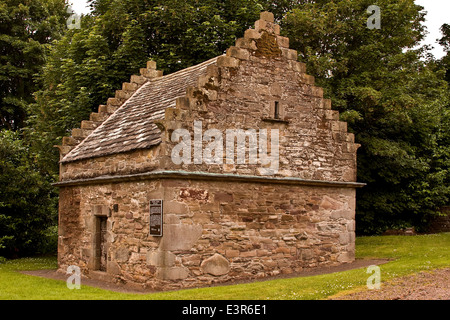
x,y
344,238
231,253
216,265
112,268
252,34
175,207
151,65
160,258
69,141
238,53
326,103
246,43
298,66
289,54
114,102
172,273
138,79
350,137
78,133
283,42
180,236
331,114
223,197
266,16
346,257
122,254
225,61
123,95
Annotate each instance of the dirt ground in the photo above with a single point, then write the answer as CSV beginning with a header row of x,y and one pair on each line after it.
x,y
433,285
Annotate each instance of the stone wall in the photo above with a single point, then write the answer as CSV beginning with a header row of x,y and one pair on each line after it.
x,y
214,232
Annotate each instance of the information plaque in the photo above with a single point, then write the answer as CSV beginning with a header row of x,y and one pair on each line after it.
x,y
156,218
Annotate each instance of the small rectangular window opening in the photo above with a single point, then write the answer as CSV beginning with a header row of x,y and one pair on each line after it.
x,y
277,110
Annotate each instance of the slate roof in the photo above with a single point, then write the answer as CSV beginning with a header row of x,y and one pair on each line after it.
x,y
131,127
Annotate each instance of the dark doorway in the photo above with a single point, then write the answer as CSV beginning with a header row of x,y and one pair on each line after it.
x,y
101,250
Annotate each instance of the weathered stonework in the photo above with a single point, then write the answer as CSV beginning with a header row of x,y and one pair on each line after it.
x,y
241,231
222,222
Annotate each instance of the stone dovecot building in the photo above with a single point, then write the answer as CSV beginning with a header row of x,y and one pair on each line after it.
x,y
233,169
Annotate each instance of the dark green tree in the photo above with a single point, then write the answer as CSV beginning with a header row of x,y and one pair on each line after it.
x,y
445,43
27,200
26,29
392,100
28,214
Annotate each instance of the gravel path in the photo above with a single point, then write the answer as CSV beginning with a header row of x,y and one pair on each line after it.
x,y
434,285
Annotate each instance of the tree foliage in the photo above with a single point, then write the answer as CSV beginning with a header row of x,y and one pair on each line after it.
x,y
27,201
26,29
392,100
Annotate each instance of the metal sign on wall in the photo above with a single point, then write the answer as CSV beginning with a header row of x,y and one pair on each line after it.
x,y
156,218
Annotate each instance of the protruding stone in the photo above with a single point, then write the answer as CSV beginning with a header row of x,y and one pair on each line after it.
x,y
238,53
267,16
326,103
182,103
151,65
307,79
297,66
69,141
225,61
216,265
331,114
246,43
113,102
138,79
289,54
150,73
270,27
102,108
283,41
86,124
126,86
252,34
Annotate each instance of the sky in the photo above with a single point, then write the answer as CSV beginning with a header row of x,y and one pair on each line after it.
x,y
437,14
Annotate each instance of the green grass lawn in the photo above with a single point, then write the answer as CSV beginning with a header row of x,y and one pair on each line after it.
x,y
412,254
